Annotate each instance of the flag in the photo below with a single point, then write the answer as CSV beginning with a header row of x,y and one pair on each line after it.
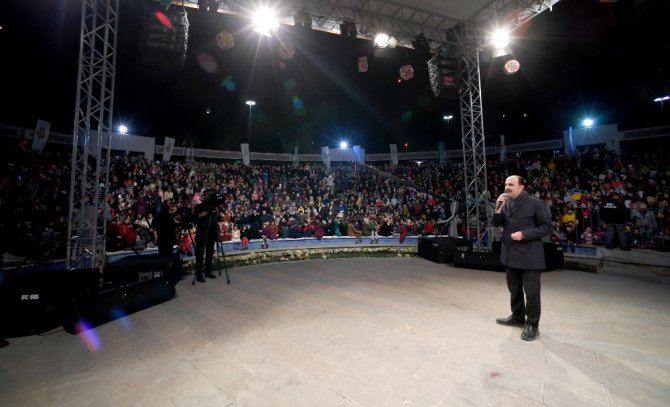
x,y
168,147
325,156
394,154
296,157
245,153
41,135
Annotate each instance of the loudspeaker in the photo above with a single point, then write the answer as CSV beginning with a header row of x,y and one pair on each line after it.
x,y
478,260
31,299
134,269
553,255
441,249
89,311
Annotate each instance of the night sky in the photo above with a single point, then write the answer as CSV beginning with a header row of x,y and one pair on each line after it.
x,y
606,60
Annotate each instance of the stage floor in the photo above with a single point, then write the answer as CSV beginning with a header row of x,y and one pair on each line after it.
x,y
359,332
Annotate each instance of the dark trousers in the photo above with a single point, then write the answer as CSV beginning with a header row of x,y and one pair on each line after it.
x,y
203,248
528,281
620,232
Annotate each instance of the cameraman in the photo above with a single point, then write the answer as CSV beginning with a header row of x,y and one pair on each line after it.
x,y
206,234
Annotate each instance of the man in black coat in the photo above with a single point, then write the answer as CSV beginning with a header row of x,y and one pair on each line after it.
x,y
525,221
615,214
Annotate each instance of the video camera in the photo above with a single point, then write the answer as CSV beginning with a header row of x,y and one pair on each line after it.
x,y
214,197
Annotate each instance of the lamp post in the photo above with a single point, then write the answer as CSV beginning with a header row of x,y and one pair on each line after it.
x,y
662,101
251,104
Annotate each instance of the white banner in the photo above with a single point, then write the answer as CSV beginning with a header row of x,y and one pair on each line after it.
x,y
41,135
296,157
245,154
394,154
168,148
325,156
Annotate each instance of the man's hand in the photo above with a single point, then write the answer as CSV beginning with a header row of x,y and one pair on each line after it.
x,y
518,236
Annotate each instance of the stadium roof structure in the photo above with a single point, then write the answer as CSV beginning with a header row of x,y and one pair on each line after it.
x,y
442,23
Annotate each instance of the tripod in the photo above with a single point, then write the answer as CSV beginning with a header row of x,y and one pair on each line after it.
x,y
221,254
206,244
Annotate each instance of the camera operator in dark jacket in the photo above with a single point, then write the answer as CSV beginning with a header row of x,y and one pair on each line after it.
x,y
615,214
206,234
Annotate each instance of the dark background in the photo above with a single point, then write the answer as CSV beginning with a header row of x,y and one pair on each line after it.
x,y
584,58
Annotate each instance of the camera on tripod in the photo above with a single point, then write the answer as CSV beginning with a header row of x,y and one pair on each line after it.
x,y
214,197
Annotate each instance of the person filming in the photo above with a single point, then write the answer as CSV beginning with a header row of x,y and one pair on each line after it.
x,y
206,235
525,221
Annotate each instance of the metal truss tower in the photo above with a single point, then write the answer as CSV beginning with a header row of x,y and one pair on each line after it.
x,y
474,151
89,177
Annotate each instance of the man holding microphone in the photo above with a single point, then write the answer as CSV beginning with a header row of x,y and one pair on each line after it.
x,y
525,221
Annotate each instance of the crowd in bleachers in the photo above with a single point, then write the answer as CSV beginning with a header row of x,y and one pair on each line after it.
x,y
273,201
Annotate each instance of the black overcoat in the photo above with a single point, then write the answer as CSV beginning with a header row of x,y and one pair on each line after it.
x,y
530,216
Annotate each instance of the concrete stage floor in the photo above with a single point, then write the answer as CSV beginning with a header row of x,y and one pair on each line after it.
x,y
359,332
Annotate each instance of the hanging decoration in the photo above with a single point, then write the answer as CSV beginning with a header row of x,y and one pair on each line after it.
x,y
286,50
225,40
362,64
512,66
406,72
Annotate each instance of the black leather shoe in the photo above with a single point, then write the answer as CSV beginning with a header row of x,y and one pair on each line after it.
x,y
512,320
530,333
210,275
200,279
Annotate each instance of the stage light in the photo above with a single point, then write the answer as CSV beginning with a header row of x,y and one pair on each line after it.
x,y
250,103
344,144
265,21
588,122
500,38
449,117
123,129
382,40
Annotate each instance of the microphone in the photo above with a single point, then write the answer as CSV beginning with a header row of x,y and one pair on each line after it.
x,y
502,202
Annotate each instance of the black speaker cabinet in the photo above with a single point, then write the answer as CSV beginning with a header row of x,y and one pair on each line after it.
x,y
31,299
478,260
553,255
89,311
440,249
135,269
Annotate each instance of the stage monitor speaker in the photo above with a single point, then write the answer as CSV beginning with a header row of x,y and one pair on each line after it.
x,y
441,249
553,255
110,304
31,299
478,260
137,268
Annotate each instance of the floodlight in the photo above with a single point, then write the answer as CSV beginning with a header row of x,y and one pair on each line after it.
x,y
265,21
588,122
123,129
500,38
344,144
382,40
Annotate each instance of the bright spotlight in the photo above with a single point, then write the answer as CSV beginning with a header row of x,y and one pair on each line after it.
x,y
382,40
587,122
250,103
500,38
449,117
265,21
123,129
344,144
